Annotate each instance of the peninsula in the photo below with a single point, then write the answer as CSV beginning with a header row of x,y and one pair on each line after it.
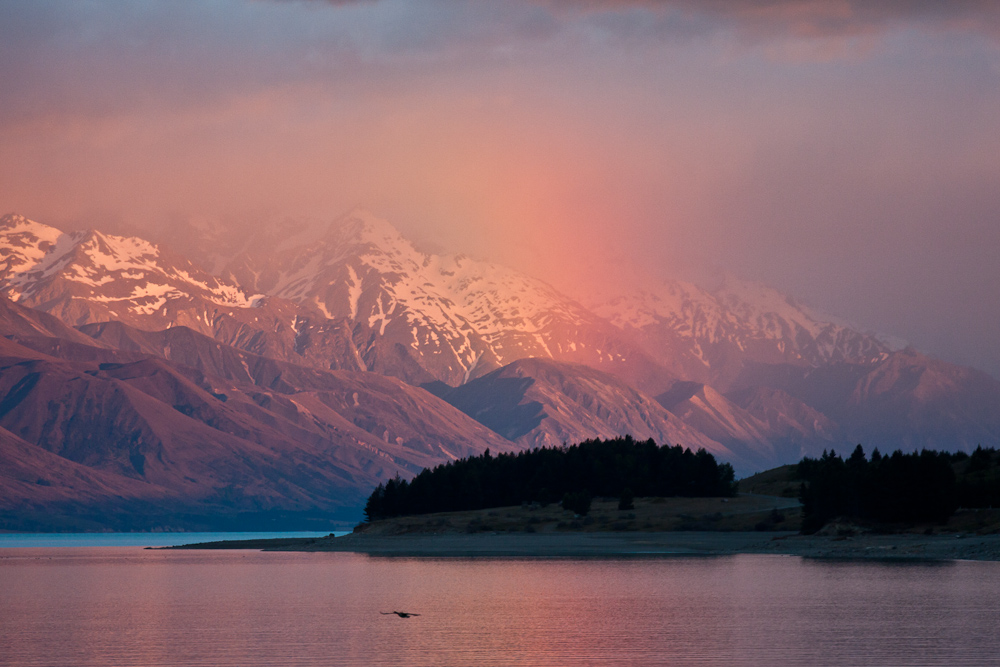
x,y
764,517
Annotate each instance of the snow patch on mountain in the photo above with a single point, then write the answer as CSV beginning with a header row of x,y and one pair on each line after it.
x,y
444,291
739,314
111,268
456,307
353,292
23,242
417,313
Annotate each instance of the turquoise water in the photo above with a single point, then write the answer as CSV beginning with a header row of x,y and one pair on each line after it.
x,y
60,540
91,606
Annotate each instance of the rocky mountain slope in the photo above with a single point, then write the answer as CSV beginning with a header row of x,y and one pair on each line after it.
x,y
709,336
89,277
788,420
907,400
542,403
459,318
762,436
42,490
277,439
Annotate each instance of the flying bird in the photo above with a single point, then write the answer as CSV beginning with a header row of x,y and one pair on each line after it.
x,y
401,614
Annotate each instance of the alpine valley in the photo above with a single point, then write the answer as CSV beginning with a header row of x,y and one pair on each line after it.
x,y
273,384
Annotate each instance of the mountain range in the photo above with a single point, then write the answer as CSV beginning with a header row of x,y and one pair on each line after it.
x,y
279,383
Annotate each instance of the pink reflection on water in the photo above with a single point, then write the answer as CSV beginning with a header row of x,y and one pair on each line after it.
x,y
97,606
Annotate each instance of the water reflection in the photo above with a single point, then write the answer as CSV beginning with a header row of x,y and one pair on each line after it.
x,y
126,606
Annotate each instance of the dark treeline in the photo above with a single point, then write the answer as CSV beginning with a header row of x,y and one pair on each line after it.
x,y
602,468
979,479
900,488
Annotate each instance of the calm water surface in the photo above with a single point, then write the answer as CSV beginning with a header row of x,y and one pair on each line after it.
x,y
126,606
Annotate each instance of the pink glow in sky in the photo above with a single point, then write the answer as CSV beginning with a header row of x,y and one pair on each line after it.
x,y
847,152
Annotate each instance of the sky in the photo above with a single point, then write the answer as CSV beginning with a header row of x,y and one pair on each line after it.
x,y
844,151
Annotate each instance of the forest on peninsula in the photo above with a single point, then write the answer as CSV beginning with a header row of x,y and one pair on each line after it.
x,y
619,468
894,489
900,488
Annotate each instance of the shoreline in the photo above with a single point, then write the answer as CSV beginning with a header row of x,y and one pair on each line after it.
x,y
894,547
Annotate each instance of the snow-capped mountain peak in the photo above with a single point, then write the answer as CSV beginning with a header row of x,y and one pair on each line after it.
x,y
768,309
740,321
460,316
436,315
361,226
129,275
24,243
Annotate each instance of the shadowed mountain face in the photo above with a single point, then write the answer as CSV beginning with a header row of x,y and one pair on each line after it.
x,y
276,438
289,383
787,418
907,401
35,478
766,430
544,403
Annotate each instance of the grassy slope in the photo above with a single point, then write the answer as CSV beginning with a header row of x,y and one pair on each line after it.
x,y
649,514
784,481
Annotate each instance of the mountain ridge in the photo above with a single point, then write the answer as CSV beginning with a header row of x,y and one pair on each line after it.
x,y
320,348
213,446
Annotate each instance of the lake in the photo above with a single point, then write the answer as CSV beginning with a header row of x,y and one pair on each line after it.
x,y
121,605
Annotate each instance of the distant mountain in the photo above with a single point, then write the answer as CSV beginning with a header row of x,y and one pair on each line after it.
x,y
290,382
709,336
537,403
762,436
907,400
267,437
359,296
88,277
459,318
788,420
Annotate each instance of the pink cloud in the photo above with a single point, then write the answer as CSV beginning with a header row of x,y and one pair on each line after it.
x,y
814,18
